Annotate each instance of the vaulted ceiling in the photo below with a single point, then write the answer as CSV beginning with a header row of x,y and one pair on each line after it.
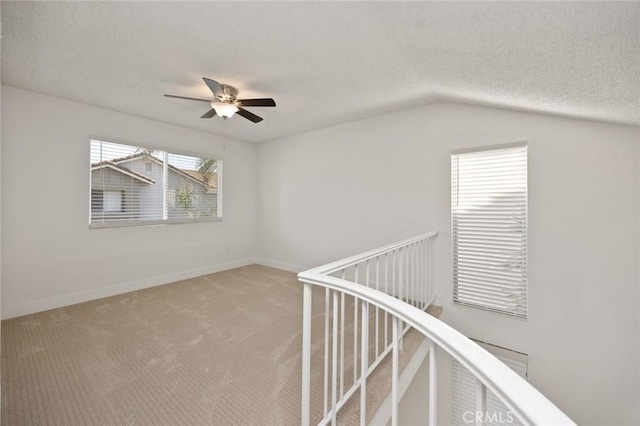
x,y
327,62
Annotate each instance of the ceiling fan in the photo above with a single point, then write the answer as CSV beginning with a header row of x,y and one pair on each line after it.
x,y
225,104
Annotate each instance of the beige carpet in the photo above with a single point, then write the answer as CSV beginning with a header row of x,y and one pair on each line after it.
x,y
222,349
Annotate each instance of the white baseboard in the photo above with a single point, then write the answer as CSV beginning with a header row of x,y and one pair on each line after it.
x,y
112,290
280,265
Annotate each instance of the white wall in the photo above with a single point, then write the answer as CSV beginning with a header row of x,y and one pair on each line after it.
x,y
51,257
334,192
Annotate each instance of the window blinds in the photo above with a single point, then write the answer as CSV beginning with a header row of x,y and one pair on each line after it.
x,y
489,228
132,185
463,390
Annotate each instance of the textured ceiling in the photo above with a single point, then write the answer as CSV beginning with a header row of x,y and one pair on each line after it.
x,y
327,62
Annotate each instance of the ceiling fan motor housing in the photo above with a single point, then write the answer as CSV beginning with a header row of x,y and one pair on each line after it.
x,y
229,94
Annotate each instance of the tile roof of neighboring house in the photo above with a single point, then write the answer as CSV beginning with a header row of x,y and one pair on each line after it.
x,y
210,184
121,169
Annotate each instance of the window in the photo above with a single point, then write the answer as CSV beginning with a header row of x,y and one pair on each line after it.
x,y
463,390
113,201
132,185
489,228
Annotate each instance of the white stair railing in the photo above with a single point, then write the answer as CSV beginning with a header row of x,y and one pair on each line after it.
x,y
390,288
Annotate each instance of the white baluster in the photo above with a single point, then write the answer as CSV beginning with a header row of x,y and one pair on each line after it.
x,y
334,359
401,285
355,333
342,339
386,290
326,349
377,309
481,403
433,386
430,269
306,354
366,274
394,371
416,299
427,294
394,292
400,272
423,283
364,363
425,273
419,274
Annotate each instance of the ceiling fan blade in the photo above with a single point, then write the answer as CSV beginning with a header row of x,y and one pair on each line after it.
x,y
262,102
209,114
214,86
249,115
190,99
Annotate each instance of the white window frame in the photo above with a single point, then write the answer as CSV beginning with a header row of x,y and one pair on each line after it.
x,y
478,281
165,220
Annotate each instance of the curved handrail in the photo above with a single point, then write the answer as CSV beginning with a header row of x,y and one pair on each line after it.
x,y
332,267
525,401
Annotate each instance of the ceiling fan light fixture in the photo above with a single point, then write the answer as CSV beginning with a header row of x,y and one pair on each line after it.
x,y
223,109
